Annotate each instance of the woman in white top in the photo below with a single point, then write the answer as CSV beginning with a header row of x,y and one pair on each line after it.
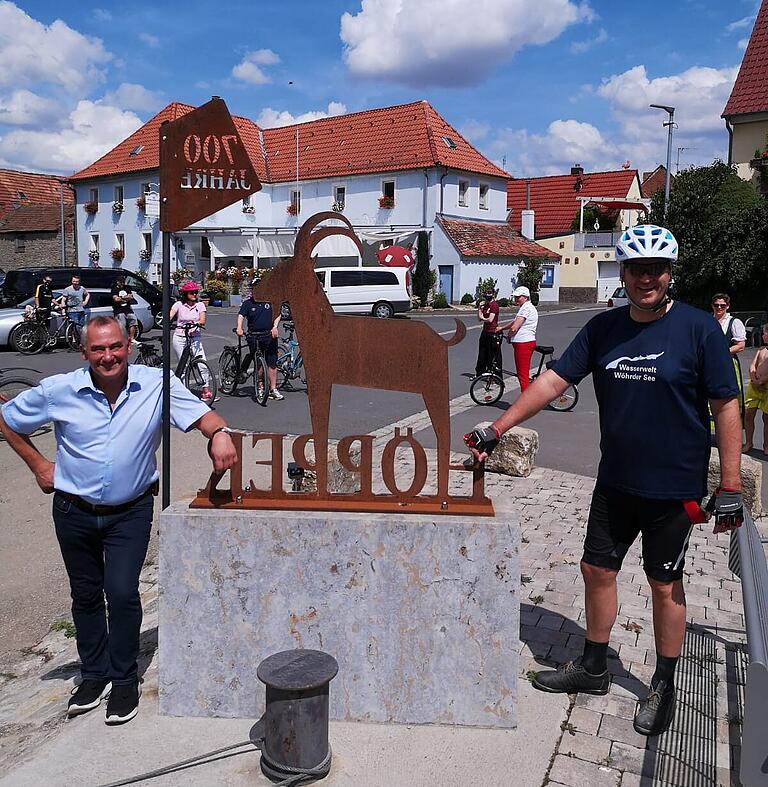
x,y
522,334
735,333
189,311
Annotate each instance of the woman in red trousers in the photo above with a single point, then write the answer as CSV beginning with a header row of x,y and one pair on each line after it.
x,y
522,334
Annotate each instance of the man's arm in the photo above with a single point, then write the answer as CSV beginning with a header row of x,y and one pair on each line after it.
x,y
86,297
728,435
41,467
239,324
221,448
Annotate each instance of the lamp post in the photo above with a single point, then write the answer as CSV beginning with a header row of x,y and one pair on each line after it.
x,y
670,123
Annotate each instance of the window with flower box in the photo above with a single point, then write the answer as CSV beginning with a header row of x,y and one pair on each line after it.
x,y
294,207
339,198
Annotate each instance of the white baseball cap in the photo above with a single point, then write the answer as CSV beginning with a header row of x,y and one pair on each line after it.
x,y
521,291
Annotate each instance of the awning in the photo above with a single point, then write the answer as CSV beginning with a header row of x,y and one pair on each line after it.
x,y
231,245
282,246
619,204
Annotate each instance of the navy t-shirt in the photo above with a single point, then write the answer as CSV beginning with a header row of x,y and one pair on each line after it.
x,y
258,315
653,381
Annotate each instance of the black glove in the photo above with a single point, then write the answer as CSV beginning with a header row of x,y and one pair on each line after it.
x,y
483,439
728,507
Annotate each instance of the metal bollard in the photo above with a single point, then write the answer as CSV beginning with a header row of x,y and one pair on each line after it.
x,y
296,719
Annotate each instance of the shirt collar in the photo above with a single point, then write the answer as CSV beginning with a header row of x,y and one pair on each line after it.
x,y
84,382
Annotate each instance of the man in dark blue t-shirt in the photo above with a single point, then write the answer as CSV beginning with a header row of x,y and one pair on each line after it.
x,y
258,317
656,366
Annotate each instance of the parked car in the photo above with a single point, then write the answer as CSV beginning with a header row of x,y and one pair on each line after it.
x,y
20,284
619,298
100,304
375,290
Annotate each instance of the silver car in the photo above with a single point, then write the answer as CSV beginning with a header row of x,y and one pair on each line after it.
x,y
100,304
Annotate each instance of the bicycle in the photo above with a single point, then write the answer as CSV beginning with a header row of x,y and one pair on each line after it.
x,y
231,373
11,385
290,362
34,334
195,372
488,388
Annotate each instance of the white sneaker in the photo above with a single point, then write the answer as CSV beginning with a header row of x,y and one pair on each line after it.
x,y
275,394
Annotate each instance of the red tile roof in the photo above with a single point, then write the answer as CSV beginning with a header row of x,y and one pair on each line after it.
x,y
750,91
409,136
146,141
655,181
482,239
36,218
36,189
554,199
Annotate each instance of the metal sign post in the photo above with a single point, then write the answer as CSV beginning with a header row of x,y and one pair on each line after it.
x,y
204,167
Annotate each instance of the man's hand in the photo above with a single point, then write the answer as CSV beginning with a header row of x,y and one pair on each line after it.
x,y
44,475
222,451
275,332
481,441
239,331
728,507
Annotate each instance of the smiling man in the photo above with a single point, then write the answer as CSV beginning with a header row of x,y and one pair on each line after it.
x,y
656,365
107,420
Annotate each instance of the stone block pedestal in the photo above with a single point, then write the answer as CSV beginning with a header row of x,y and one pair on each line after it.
x,y
422,613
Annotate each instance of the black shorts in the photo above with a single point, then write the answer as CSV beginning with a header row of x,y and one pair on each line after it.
x,y
268,345
615,520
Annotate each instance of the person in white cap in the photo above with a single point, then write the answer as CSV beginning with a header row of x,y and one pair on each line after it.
x,y
522,334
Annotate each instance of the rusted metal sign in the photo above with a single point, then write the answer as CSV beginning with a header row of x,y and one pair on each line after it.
x,y
392,355
204,166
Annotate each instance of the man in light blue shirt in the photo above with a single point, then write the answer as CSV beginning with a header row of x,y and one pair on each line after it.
x,y
107,421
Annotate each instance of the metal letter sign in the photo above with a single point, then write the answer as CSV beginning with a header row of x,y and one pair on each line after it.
x,y
393,355
204,166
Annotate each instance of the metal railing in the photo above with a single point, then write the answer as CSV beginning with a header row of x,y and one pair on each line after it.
x,y
747,560
592,240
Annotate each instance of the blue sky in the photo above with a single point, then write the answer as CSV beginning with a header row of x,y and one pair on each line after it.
x,y
536,85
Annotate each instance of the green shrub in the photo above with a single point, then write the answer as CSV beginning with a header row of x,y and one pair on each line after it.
x,y
503,302
467,299
217,290
440,301
483,285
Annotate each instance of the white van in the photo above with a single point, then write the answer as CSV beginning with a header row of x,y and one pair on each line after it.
x,y
382,292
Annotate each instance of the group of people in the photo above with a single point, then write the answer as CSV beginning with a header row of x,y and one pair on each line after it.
x,y
521,333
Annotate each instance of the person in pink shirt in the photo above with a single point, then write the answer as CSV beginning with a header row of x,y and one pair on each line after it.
x,y
189,311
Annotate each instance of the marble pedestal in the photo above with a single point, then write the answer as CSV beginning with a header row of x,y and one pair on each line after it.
x,y
422,613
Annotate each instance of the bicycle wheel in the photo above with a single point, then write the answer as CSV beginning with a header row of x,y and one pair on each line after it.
x,y
12,386
486,389
260,392
284,373
228,371
200,376
30,338
72,335
567,400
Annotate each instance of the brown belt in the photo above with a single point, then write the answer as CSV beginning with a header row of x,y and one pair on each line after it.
x,y
103,510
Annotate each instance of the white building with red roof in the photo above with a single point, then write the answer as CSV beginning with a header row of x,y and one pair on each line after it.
x,y
550,210
746,113
391,171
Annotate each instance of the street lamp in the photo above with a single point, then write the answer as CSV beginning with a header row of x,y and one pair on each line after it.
x,y
670,125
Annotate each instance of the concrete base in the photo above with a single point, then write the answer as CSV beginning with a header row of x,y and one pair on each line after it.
x,y
422,613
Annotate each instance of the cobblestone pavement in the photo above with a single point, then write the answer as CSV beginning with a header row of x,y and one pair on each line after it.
x,y
598,745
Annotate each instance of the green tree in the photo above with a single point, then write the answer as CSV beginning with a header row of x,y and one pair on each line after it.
x,y
721,225
593,213
529,275
421,274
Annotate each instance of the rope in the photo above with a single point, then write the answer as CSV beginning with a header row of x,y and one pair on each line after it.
x,y
296,776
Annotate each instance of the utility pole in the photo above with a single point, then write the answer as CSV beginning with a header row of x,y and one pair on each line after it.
x,y
670,124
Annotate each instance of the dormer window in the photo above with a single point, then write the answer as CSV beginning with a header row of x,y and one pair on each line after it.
x,y
449,143
22,195
136,150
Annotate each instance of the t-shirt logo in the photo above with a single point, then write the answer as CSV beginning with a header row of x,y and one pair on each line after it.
x,y
631,367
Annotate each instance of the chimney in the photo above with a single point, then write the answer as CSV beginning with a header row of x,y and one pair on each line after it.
x,y
527,224
577,169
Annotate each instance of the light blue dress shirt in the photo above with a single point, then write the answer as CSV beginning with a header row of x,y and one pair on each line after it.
x,y
104,456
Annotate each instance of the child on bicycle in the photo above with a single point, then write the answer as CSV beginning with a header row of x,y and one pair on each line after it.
x,y
189,311
757,395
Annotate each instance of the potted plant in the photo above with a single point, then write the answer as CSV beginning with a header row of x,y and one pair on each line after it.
x,y
93,255
291,209
386,203
141,203
145,254
338,207
117,254
91,207
217,291
117,207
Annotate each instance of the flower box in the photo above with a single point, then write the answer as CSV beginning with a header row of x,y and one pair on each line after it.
x,y
117,254
386,203
338,207
91,207
141,203
117,207
291,209
145,254
249,209
93,255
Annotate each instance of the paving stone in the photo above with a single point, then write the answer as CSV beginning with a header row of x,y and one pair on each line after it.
x,y
579,773
616,729
585,747
615,706
585,720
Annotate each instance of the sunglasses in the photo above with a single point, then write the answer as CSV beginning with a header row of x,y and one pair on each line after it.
x,y
650,268
719,305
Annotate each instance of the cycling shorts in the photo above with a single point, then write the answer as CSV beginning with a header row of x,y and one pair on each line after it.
x,y
756,399
268,345
617,518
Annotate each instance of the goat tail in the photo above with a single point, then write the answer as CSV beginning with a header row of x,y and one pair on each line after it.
x,y
461,332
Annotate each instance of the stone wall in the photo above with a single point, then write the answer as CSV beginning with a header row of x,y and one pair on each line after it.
x,y
578,294
41,249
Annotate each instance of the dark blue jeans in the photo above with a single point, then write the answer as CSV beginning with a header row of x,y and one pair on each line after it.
x,y
103,556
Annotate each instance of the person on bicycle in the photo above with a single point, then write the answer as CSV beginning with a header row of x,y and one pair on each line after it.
x,y
656,364
122,300
75,299
491,335
188,311
44,300
522,334
258,317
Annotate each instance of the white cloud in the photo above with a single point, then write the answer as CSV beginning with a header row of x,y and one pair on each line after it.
x,y
33,53
102,15
433,42
272,118
580,47
249,69
92,129
740,23
150,40
132,96
475,130
24,108
742,43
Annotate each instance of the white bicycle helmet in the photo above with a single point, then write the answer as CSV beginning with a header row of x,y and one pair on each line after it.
x,y
646,242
